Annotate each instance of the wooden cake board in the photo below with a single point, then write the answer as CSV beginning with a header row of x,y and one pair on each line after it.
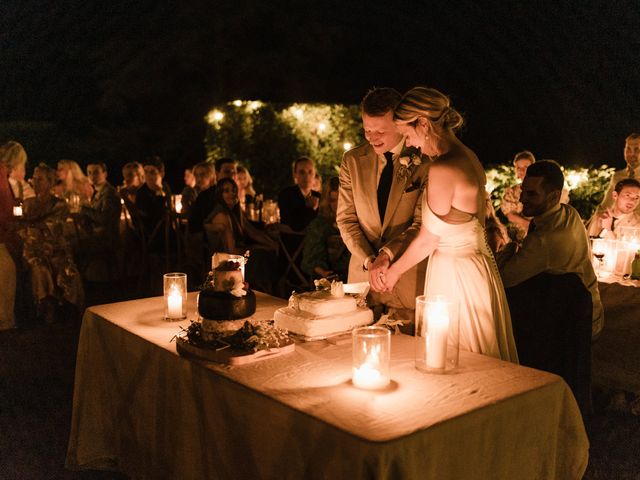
x,y
230,356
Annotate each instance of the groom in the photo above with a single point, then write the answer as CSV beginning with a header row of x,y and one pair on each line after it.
x,y
379,206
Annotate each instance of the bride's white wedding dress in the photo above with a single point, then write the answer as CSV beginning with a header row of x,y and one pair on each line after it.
x,y
463,269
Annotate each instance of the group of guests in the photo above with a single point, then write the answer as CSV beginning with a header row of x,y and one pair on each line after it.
x,y
413,191
71,229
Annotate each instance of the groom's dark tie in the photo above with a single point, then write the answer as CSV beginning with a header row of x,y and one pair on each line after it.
x,y
384,187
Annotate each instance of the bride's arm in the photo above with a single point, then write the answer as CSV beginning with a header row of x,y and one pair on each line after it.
x,y
421,247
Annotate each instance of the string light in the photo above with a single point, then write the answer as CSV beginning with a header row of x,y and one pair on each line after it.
x,y
347,146
322,127
215,116
237,103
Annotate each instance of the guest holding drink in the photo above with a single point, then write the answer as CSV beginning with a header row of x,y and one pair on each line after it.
x,y
71,181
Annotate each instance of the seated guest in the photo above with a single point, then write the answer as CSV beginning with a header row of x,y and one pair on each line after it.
x,y
153,200
230,231
100,218
132,180
246,193
189,179
325,254
557,241
551,286
204,176
7,265
299,203
226,168
632,170
511,206
54,276
71,181
626,197
16,161
497,236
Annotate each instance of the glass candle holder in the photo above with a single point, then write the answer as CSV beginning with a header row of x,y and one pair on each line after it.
x,y
371,357
74,203
175,296
437,334
176,203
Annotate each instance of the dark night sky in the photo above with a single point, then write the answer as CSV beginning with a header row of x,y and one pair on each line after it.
x,y
121,80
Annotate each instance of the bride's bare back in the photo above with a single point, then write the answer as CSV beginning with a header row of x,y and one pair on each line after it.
x,y
456,185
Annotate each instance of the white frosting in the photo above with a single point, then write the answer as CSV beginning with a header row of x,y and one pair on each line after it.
x,y
322,303
313,326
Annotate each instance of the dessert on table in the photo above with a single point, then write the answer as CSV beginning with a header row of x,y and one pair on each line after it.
x,y
330,310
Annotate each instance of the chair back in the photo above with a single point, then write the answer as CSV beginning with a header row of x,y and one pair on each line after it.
x,y
551,317
291,246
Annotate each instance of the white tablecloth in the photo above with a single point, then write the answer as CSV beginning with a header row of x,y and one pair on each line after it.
x,y
140,408
616,352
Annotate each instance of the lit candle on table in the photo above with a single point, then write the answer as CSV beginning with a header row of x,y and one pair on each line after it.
x,y
174,303
437,334
371,355
367,375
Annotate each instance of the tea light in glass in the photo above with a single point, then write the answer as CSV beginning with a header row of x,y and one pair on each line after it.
x,y
175,296
177,203
371,357
436,334
74,203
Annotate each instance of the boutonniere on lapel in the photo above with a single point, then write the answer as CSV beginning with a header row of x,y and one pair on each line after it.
x,y
408,165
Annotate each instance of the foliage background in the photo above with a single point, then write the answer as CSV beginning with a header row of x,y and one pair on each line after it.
x,y
268,137
586,186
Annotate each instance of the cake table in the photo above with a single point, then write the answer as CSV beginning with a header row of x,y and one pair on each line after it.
x,y
141,409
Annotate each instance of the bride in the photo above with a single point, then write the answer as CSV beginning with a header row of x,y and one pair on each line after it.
x,y
461,265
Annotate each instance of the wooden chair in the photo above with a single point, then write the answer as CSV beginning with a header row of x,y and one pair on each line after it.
x,y
291,246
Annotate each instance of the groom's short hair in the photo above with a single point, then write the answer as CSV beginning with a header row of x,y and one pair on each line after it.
x,y
379,101
551,173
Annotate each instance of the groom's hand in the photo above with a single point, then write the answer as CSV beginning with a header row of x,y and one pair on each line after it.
x,y
377,271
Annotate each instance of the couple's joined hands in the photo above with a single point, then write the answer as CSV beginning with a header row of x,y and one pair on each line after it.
x,y
381,277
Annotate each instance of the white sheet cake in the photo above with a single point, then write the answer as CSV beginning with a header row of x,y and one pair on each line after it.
x,y
317,315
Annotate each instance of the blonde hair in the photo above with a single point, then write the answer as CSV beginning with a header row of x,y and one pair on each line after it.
x,y
428,103
12,155
76,177
135,167
524,155
249,190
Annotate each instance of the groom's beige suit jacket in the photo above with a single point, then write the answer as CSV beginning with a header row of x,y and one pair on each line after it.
x,y
359,220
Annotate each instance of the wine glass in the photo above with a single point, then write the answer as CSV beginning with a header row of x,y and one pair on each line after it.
x,y
598,248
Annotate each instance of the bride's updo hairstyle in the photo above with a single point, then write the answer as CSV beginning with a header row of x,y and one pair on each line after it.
x,y
429,103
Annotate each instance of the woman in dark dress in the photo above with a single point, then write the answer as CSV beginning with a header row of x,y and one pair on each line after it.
x,y
229,231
